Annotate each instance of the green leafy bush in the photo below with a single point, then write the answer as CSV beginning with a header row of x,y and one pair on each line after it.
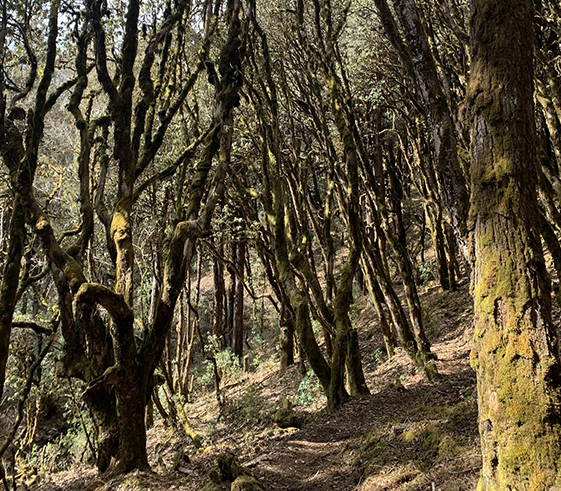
x,y
309,391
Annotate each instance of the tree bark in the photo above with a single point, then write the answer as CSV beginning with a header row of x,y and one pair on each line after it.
x,y
515,352
238,327
9,284
220,290
355,374
286,337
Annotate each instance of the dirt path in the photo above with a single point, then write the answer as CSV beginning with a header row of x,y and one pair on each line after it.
x,y
415,435
334,451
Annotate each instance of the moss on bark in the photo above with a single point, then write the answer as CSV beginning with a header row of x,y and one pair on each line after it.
x,y
515,351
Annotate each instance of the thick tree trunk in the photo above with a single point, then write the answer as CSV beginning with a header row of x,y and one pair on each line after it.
x,y
337,394
131,407
515,352
355,374
101,403
9,284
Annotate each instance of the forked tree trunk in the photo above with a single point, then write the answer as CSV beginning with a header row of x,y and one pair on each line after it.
x,y
355,373
515,350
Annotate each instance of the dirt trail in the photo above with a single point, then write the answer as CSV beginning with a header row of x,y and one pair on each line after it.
x,y
408,436
326,454
362,447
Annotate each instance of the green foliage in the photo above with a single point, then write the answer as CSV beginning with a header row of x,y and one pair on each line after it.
x,y
316,326
427,271
378,356
228,365
309,390
227,362
63,451
256,337
250,406
354,313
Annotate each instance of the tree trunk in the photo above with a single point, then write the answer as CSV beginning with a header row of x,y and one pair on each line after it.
x,y
9,284
434,215
101,404
515,351
355,374
220,292
238,327
453,268
417,57
131,407
377,299
231,299
398,240
287,338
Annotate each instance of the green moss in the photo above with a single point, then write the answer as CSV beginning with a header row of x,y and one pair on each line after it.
x,y
448,447
286,418
429,439
408,436
246,483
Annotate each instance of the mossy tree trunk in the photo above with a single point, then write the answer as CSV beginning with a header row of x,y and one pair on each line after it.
x,y
348,194
9,284
355,374
515,352
287,337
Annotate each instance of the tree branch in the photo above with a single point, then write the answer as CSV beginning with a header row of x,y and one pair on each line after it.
x,y
114,303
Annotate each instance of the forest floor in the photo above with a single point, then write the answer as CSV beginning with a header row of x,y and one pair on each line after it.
x,y
410,434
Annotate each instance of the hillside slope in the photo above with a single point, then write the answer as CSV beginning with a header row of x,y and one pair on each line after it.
x,y
410,434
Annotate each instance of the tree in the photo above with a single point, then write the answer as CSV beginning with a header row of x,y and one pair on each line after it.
x,y
515,352
419,63
105,349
